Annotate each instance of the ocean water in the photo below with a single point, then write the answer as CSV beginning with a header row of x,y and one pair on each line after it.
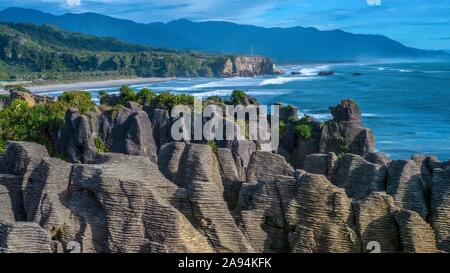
x,y
406,104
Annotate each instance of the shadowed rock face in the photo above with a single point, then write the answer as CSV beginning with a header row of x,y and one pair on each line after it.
x,y
162,196
439,209
343,134
76,139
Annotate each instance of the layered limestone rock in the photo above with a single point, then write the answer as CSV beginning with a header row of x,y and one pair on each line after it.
x,y
320,217
242,151
405,185
343,134
20,155
126,206
260,209
246,66
417,236
440,207
76,139
6,209
199,173
230,178
128,131
359,177
11,202
376,222
22,237
45,190
346,126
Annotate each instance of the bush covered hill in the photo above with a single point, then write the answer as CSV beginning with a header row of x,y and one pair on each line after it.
x,y
32,52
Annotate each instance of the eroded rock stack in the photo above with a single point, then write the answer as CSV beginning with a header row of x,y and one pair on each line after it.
x,y
165,196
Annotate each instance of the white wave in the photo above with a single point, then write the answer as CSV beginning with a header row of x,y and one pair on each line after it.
x,y
228,92
405,70
368,115
386,142
231,82
435,72
283,80
321,117
381,68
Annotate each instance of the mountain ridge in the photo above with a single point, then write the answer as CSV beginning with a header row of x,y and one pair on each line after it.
x,y
281,44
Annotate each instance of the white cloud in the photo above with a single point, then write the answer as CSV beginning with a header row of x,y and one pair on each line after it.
x,y
374,2
73,3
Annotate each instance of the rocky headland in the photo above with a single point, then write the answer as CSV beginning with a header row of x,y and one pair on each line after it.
x,y
121,184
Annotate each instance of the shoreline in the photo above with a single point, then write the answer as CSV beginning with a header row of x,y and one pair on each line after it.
x,y
62,87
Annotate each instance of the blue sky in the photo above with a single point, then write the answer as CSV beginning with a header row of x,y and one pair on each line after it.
x,y
417,23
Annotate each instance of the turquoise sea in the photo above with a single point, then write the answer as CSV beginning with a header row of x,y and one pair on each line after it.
x,y
406,104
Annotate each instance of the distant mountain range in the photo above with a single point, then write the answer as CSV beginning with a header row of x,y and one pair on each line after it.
x,y
281,44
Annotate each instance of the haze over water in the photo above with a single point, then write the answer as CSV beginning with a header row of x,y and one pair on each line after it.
x,y
407,105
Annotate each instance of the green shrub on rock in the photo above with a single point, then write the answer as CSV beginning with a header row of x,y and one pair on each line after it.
x,y
38,123
80,100
303,127
145,96
126,95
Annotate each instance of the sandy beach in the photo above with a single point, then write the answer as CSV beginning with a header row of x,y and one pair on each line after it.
x,y
94,84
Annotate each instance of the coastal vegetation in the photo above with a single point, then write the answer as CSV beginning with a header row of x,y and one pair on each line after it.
x,y
38,123
45,53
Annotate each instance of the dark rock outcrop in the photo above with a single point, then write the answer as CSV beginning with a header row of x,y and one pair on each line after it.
x,y
76,139
128,131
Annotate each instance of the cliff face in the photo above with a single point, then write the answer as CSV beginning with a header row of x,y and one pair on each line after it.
x,y
157,195
247,66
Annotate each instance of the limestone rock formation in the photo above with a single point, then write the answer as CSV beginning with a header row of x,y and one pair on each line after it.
x,y
405,185
199,173
20,155
246,66
376,222
440,208
23,237
128,131
417,236
260,208
327,192
76,139
359,177
11,202
320,217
